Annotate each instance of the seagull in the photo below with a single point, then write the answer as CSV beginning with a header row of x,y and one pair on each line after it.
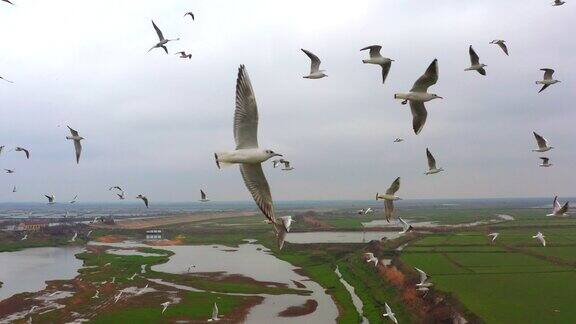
x,y
389,198
89,232
1,149
214,314
475,64
116,187
203,197
276,162
398,140
50,199
1,78
315,72
418,95
9,170
162,43
423,279
500,43
117,297
73,239
557,209
389,314
164,306
24,238
184,55
32,309
368,211
74,199
556,3
96,295
14,189
542,144
190,14
144,199
54,293
133,276
432,169
21,149
493,236
376,58
287,166
121,196
113,280
369,256
548,80
540,237
247,153
361,211
77,146
545,162
286,222
141,291
405,226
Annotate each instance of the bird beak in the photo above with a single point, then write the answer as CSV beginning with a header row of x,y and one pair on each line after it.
x,y
276,154
440,97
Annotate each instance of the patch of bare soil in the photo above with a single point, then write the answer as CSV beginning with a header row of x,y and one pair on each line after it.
x,y
294,311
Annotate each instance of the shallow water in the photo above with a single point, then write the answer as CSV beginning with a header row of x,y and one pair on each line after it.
x,y
131,252
29,269
358,304
339,237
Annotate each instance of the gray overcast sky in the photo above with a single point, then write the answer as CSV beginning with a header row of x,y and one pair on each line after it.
x,y
152,121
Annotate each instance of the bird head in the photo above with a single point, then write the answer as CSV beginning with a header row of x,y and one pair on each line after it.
x,y
435,96
271,153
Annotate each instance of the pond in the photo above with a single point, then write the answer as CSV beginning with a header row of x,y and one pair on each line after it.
x,y
339,237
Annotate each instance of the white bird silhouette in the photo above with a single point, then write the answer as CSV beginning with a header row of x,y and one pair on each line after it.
x,y
184,55
315,72
96,295
117,298
475,64
542,143
423,279
378,59
164,306
133,276
405,226
162,41
286,222
548,80
74,199
389,314
557,209
398,140
500,42
141,291
50,199
369,257
77,145
540,237
555,3
389,198
545,162
203,197
144,199
189,13
214,314
494,236
21,149
24,238
432,169
73,239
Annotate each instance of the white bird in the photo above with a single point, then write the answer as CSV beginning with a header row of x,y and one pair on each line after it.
x,y
89,232
162,41
54,293
368,211
116,187
120,196
1,78
32,309
164,306
398,140
542,143
361,211
21,149
423,279
133,276
389,198
141,291
369,257
315,72
286,222
117,297
432,169
287,166
203,197
555,3
548,79
247,153
418,95
378,59
113,279
1,149
10,171
540,237
389,314
276,162
493,236
73,239
184,55
558,209
14,189
74,199
405,226
144,199
500,42
77,145
189,13
50,199
24,238
475,64
545,162
214,314
96,295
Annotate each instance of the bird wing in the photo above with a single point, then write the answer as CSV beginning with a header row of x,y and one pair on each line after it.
x,y
370,255
202,194
165,49
547,73
246,113
388,209
431,159
419,115
474,59
385,70
544,87
215,311
49,197
393,187
503,47
145,201
315,66
423,275
255,181
405,225
430,77
72,131
564,209
544,160
481,71
542,143
388,310
374,50
191,15
158,31
78,149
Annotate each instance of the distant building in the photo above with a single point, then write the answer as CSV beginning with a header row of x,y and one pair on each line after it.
x,y
32,226
155,234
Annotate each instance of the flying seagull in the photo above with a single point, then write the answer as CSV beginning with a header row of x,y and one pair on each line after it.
x,y
315,72
9,170
405,226
133,276
1,78
542,143
1,149
8,1
475,64
141,291
74,199
500,43
117,297
96,295
144,199
493,236
162,43
247,154
540,237
121,195
184,55
276,162
423,279
50,199
557,209
214,314
164,306
548,79
545,162
389,314
73,239
368,211
389,198
432,169
287,166
398,140
369,256
115,187
189,13
286,222
376,58
21,149
418,95
555,3
24,238
14,189
203,197
77,146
